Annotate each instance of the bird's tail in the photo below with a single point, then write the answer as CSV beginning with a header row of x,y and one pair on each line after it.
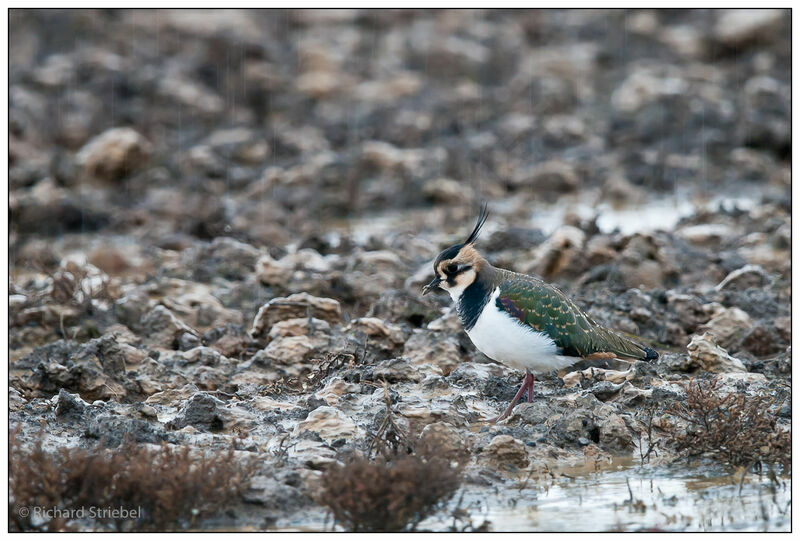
x,y
609,341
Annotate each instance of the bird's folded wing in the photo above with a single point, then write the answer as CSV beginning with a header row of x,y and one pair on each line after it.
x,y
546,309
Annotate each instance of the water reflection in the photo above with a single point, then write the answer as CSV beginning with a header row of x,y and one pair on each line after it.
x,y
628,498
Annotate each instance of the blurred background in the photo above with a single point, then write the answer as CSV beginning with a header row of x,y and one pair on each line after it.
x,y
140,137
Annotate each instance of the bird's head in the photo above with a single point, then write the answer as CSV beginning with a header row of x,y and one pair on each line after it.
x,y
457,267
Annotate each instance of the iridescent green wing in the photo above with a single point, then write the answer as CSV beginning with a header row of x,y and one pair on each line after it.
x,y
547,310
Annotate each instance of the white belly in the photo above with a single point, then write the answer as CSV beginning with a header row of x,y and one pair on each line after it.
x,y
501,338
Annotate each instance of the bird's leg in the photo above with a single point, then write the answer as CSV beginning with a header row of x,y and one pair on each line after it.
x,y
527,383
530,386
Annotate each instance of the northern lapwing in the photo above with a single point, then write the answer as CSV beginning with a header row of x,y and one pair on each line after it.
x,y
521,321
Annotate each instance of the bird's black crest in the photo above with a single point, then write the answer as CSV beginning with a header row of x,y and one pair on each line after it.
x,y
449,253
484,213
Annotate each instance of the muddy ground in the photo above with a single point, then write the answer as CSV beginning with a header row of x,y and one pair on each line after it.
x,y
220,225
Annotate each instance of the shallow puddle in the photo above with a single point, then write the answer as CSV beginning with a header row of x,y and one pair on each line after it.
x,y
662,213
629,498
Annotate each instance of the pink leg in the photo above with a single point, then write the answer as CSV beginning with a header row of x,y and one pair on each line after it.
x,y
527,385
530,387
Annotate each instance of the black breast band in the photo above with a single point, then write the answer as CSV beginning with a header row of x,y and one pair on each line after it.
x,y
471,303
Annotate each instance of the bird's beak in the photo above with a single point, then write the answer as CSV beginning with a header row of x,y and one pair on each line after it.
x,y
435,282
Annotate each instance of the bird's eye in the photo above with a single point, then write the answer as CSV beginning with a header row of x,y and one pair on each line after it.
x,y
452,268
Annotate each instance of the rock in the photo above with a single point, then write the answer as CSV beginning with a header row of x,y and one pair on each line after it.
x,y
203,355
146,411
330,423
310,260
614,433
764,340
199,309
764,123
386,91
605,390
113,429
537,413
377,328
199,99
265,403
551,179
56,70
385,156
188,341
643,263
444,438
95,370
743,278
559,253
706,234
447,191
403,306
334,389
53,315
706,355
728,326
162,328
576,423
643,87
15,400
564,130
69,404
300,326
17,302
130,308
378,261
79,282
113,356
226,257
289,350
322,84
114,154
230,344
504,451
270,271
448,322
683,39
295,306
424,347
200,411
387,339
395,371
111,260
281,272
50,210
270,493
620,191
750,378
172,396
312,454
740,27
690,311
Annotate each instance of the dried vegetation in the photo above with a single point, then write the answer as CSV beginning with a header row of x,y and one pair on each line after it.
x,y
736,428
406,481
169,487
